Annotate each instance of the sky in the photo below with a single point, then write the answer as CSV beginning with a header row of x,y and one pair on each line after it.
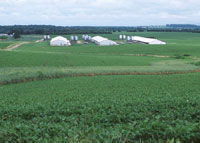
x,y
99,12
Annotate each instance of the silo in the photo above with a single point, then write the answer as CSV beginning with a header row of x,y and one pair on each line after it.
x,y
89,38
86,37
76,38
72,38
45,37
83,37
124,37
120,37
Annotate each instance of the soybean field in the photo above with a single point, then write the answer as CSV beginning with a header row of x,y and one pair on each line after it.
x,y
86,93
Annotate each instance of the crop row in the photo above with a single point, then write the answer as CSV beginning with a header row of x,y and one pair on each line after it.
x,y
102,109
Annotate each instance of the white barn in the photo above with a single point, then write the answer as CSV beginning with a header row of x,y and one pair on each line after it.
x,y
149,41
102,41
60,41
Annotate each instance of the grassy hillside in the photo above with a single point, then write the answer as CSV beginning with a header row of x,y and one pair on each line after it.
x,y
150,106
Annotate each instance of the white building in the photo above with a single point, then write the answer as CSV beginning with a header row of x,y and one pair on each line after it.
x,y
60,41
1,34
149,41
102,41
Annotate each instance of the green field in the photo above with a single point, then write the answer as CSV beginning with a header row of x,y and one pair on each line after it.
x,y
58,98
5,44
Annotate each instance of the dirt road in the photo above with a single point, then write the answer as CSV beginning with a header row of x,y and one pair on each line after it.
x,y
10,48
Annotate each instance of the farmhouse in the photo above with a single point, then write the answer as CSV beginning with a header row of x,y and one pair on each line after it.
x,y
102,41
60,41
149,41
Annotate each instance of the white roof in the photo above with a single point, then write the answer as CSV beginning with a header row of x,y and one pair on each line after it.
x,y
147,40
143,39
99,38
59,38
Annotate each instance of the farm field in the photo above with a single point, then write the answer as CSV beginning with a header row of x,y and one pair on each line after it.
x,y
98,109
4,45
88,93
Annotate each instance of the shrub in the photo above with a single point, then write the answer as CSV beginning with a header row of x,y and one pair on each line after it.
x,y
3,37
186,55
179,57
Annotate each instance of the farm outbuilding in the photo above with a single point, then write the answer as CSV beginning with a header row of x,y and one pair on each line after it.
x,y
149,41
60,41
102,41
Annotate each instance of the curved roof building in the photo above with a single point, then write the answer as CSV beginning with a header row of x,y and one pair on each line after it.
x,y
103,41
60,41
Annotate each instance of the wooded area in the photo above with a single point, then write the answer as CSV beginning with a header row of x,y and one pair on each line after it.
x,y
63,30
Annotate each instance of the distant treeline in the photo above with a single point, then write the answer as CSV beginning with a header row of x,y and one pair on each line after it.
x,y
174,30
67,30
183,26
49,29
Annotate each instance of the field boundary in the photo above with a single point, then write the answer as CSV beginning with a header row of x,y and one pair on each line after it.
x,y
46,77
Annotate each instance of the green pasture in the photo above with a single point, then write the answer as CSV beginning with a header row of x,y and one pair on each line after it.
x,y
177,44
182,48
61,59
5,44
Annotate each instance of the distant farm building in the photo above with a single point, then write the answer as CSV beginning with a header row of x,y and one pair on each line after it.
x,y
149,41
1,34
60,41
102,41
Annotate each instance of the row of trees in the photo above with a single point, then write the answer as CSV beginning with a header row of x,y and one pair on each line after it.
x,y
174,30
48,29
183,26
63,30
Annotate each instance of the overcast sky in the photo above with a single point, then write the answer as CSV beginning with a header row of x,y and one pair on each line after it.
x,y
99,12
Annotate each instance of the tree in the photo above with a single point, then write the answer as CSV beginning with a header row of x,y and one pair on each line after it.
x,y
4,37
17,34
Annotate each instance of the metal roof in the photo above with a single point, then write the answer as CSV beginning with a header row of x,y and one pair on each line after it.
x,y
147,40
99,38
143,39
59,38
